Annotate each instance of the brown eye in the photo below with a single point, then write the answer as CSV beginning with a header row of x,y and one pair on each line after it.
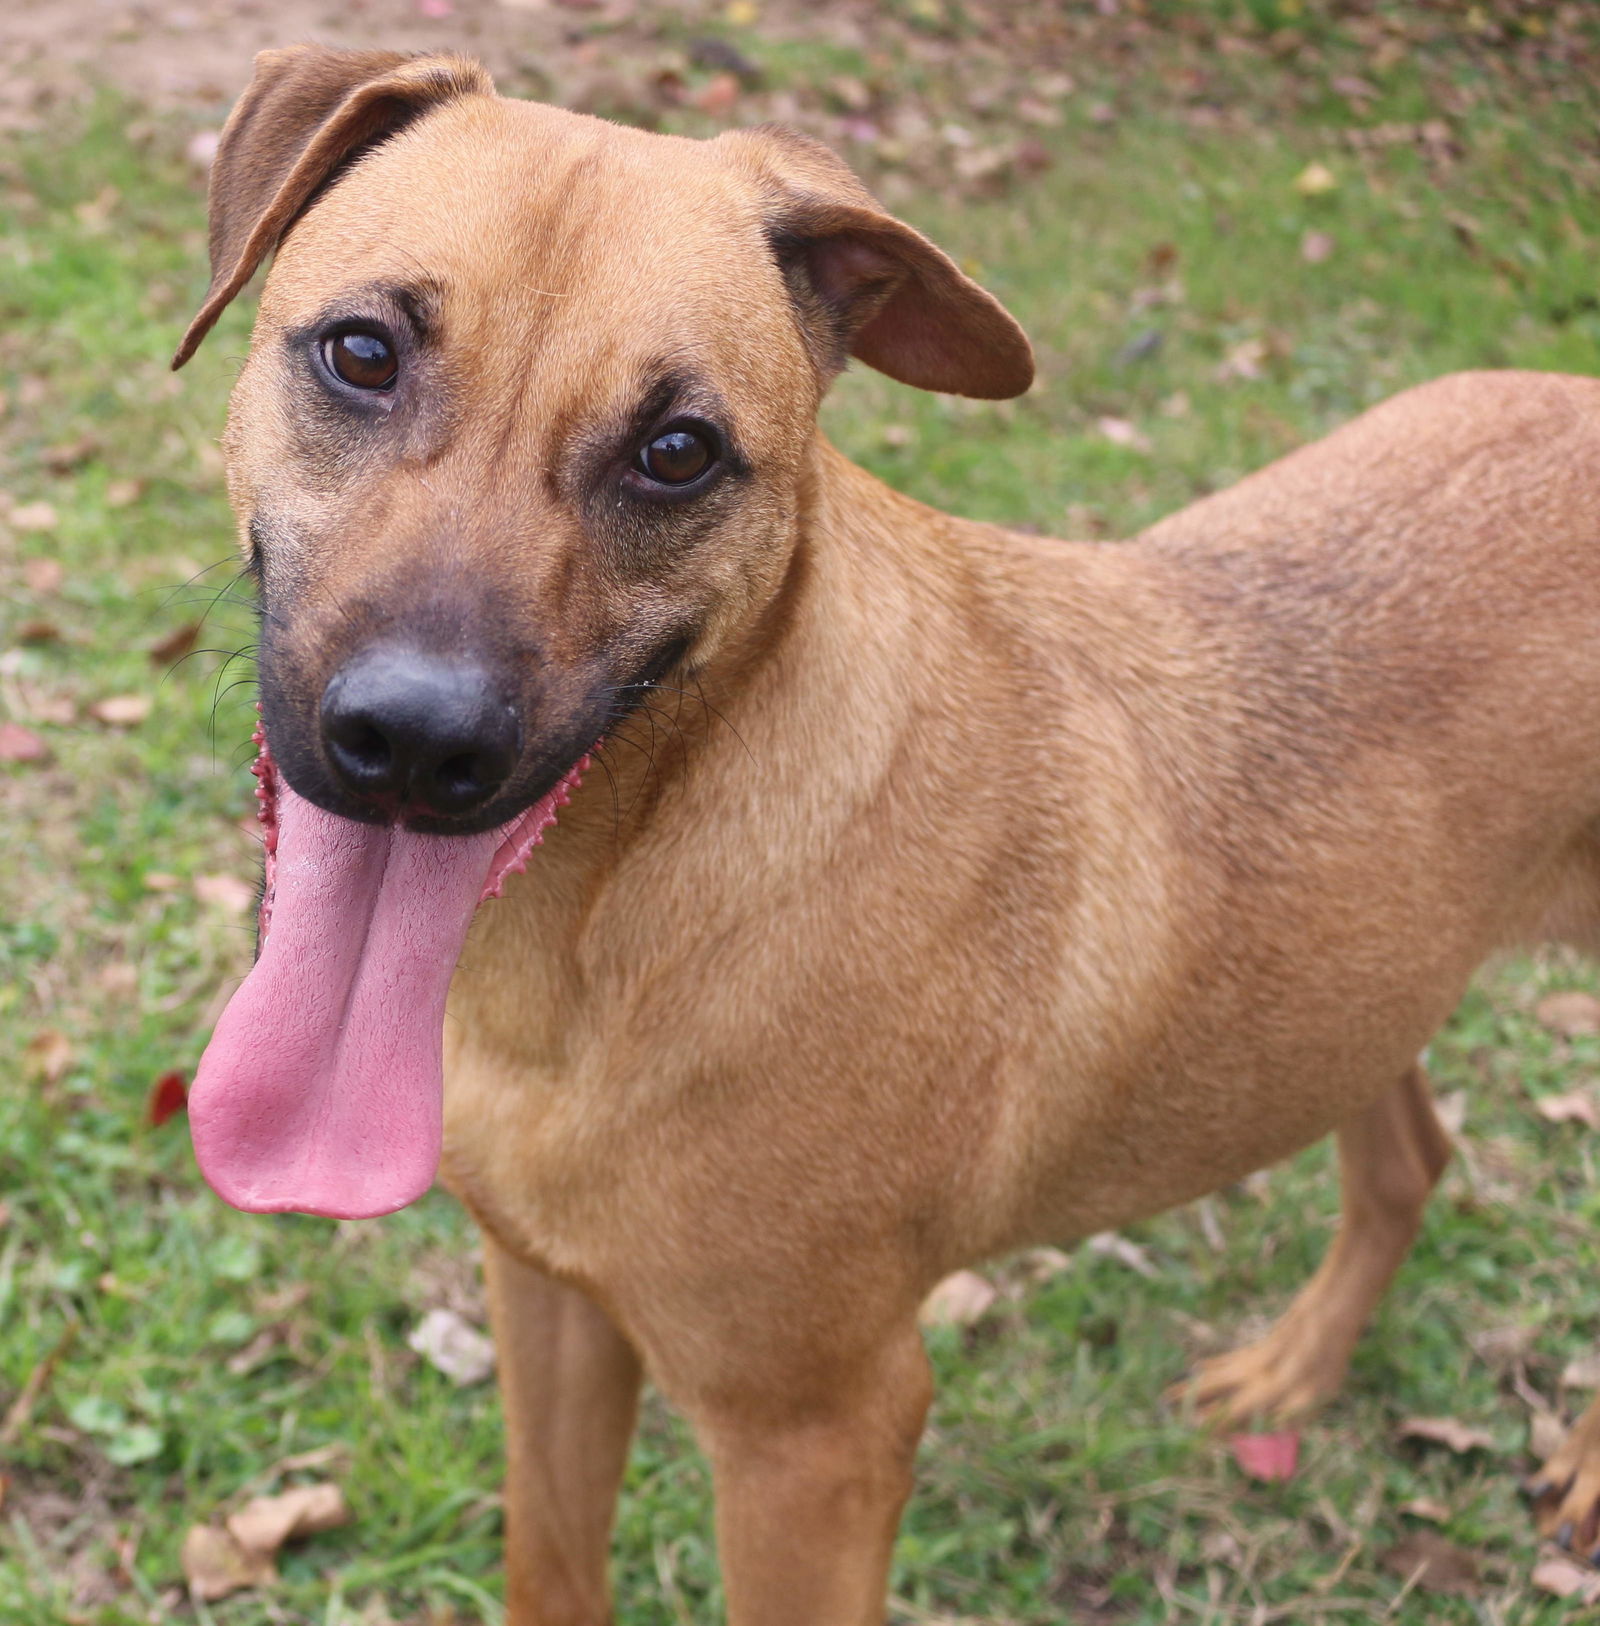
x,y
362,360
676,457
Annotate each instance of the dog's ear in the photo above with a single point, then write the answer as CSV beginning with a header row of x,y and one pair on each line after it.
x,y
307,111
867,285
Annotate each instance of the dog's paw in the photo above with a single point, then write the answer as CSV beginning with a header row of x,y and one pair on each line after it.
x,y
1279,1380
1566,1490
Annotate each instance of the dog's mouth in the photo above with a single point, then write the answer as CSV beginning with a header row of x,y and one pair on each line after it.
x,y
322,1088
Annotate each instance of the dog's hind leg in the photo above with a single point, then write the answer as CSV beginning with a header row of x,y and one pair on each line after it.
x,y
1390,1158
1566,1490
569,1383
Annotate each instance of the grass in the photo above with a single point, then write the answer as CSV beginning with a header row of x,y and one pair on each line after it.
x,y
1159,263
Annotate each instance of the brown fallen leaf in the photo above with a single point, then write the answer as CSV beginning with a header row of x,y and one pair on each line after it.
x,y
1449,1432
1424,1559
35,516
1246,360
718,96
1316,246
176,644
119,493
1120,432
958,1301
1571,1014
43,575
219,1562
216,1564
1314,180
47,1055
225,893
121,710
265,1523
1575,1107
19,744
1583,1373
1424,1507
1566,1578
1113,1245
452,1345
1546,1435
38,632
1267,1457
63,459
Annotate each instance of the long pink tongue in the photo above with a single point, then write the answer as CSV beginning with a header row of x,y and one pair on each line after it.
x,y
322,1088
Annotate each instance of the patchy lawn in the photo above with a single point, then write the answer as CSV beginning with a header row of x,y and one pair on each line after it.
x,y
1228,228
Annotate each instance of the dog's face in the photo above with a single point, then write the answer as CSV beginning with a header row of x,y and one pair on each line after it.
x,y
527,416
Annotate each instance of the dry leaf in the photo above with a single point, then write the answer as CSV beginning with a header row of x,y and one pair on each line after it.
x,y
1570,1014
1546,1435
1122,433
958,1301
265,1523
176,644
121,710
452,1345
226,893
1245,360
168,1097
1446,1431
1267,1457
1424,1507
1111,1245
19,744
1424,1559
201,151
47,1055
1451,1111
38,632
160,880
1316,246
63,459
215,1564
1583,1373
718,96
1575,1107
43,575
1314,180
35,516
219,1562
119,493
1566,1578
1040,1264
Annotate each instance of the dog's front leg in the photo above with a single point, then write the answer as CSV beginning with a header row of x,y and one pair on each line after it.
x,y
569,1383
809,1495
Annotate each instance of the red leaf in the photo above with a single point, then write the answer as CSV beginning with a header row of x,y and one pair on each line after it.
x,y
1267,1456
168,1097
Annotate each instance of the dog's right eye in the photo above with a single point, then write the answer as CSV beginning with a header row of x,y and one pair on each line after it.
x,y
361,359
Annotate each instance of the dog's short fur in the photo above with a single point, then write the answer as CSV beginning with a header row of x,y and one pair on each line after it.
x,y
1002,891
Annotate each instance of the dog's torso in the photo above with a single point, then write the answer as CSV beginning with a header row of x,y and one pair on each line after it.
x,y
1233,808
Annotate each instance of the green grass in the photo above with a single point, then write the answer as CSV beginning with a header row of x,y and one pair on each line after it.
x,y
210,1346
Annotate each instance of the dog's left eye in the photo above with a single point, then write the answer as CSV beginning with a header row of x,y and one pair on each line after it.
x,y
676,456
363,360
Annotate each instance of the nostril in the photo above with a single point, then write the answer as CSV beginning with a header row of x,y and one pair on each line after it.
x,y
368,747
461,775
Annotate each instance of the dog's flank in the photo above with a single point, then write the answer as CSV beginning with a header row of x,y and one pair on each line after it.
x,y
1030,887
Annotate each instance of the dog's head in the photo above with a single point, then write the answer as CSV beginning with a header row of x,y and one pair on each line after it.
x,y
526,417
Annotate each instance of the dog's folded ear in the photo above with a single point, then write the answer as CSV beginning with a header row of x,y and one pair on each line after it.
x,y
868,285
307,112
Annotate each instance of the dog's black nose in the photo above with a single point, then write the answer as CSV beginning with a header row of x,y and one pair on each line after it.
x,y
416,733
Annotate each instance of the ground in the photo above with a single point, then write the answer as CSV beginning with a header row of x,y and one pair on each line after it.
x,y
1227,228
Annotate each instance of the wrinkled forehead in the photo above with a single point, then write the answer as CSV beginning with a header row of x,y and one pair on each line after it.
x,y
558,236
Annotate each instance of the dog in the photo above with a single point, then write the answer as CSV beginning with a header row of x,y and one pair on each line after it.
x,y
971,890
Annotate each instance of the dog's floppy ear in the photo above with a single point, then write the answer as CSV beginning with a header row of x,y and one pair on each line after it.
x,y
308,110
869,286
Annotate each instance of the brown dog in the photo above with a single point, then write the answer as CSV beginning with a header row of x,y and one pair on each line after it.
x,y
1004,890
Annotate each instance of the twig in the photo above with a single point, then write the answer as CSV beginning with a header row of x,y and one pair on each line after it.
x,y
21,1409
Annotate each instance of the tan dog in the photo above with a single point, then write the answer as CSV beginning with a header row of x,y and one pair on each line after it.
x,y
1004,890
